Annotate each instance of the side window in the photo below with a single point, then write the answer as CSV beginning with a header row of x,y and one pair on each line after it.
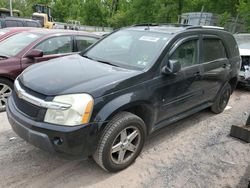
x,y
20,23
31,24
56,45
11,23
213,49
186,53
84,42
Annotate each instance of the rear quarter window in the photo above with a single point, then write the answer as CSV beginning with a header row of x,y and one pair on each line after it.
x,y
213,49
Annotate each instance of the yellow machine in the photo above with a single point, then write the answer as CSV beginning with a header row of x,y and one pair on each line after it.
x,y
42,13
6,12
43,19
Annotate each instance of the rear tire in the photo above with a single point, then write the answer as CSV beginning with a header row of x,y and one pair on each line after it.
x,y
121,142
222,99
6,87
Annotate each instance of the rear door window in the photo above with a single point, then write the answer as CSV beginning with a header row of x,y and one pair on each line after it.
x,y
83,42
11,23
213,49
56,45
19,23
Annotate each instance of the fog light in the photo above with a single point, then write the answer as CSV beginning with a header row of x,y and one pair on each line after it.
x,y
57,141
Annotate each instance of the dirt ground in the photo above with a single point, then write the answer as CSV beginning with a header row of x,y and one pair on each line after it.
x,y
195,152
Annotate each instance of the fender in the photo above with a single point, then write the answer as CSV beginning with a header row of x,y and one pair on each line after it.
x,y
121,103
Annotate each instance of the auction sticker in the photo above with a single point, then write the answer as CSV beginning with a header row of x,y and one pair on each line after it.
x,y
149,38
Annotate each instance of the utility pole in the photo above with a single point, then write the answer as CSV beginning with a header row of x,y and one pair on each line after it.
x,y
201,14
11,12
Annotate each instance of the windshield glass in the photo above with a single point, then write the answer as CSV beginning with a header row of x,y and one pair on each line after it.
x,y
243,41
3,31
16,43
129,48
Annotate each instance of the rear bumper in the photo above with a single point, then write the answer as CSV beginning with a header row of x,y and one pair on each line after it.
x,y
72,142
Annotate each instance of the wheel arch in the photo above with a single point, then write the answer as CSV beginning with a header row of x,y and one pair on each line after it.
x,y
233,83
142,108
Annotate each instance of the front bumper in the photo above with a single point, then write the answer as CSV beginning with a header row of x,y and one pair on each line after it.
x,y
73,142
244,82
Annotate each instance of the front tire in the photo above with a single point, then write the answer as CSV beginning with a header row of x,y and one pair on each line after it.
x,y
222,99
121,142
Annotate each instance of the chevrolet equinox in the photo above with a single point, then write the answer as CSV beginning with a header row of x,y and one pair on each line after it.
x,y
106,101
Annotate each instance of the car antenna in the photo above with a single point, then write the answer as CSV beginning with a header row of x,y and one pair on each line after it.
x,y
148,28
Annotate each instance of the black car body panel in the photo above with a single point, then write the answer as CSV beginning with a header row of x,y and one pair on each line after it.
x,y
157,98
70,142
98,78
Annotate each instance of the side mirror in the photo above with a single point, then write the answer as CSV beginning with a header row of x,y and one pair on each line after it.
x,y
173,67
34,53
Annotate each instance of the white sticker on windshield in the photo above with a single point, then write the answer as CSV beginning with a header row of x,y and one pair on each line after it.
x,y
149,39
32,36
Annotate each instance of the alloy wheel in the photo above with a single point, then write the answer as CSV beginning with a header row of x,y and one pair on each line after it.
x,y
125,145
5,92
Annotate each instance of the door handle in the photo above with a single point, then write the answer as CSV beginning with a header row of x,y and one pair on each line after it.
x,y
197,74
225,65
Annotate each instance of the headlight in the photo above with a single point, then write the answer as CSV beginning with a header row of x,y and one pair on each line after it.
x,y
79,112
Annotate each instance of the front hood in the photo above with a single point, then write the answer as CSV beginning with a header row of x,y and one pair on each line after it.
x,y
75,74
244,52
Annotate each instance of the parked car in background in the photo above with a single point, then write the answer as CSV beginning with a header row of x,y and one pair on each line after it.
x,y
18,22
7,32
243,40
26,48
123,88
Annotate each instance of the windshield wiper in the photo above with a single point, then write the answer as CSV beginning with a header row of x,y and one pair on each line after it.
x,y
3,56
101,61
105,62
88,57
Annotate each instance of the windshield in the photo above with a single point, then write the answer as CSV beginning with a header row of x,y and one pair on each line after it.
x,y
16,43
243,41
129,48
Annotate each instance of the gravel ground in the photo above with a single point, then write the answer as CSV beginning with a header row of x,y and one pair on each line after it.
x,y
195,152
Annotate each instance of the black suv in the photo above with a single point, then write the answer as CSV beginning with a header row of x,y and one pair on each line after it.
x,y
106,101
18,22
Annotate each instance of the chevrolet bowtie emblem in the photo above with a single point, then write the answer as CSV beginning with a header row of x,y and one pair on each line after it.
x,y
19,94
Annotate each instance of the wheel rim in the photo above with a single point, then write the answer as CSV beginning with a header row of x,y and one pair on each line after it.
x,y
224,99
125,145
5,92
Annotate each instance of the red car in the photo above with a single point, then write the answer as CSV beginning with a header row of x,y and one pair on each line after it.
x,y
9,31
26,48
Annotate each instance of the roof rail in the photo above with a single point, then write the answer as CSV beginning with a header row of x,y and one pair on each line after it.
x,y
204,27
161,24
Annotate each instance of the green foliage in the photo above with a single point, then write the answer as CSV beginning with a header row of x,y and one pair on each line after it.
x,y
244,12
118,13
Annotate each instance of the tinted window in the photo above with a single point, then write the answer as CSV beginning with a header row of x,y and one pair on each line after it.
x,y
213,49
186,53
11,23
19,23
31,24
84,42
56,45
